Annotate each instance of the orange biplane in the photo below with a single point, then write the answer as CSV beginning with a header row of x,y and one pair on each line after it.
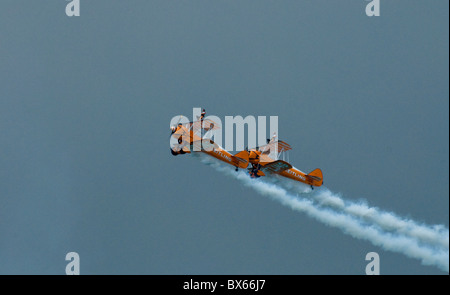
x,y
260,161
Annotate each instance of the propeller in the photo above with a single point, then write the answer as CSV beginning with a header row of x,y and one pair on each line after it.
x,y
173,127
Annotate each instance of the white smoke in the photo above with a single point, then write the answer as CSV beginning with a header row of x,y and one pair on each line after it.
x,y
437,235
429,244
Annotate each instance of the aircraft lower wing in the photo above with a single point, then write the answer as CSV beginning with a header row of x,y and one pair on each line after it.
x,y
276,166
204,144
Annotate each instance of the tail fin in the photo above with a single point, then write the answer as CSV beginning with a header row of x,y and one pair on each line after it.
x,y
241,159
316,177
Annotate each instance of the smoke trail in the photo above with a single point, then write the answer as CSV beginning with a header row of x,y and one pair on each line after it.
x,y
428,244
437,234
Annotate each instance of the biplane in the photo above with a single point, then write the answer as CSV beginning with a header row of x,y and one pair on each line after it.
x,y
194,136
260,161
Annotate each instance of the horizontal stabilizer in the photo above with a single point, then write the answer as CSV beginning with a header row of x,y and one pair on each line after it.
x,y
316,177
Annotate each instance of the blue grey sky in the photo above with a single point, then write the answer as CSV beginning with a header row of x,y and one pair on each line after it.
x,y
85,106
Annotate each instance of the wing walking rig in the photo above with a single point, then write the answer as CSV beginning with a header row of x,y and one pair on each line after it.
x,y
260,161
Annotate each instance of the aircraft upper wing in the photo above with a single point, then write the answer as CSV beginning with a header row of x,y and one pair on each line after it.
x,y
208,124
279,146
265,159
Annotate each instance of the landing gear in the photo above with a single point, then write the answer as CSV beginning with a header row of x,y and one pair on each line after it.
x,y
180,152
312,187
237,169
